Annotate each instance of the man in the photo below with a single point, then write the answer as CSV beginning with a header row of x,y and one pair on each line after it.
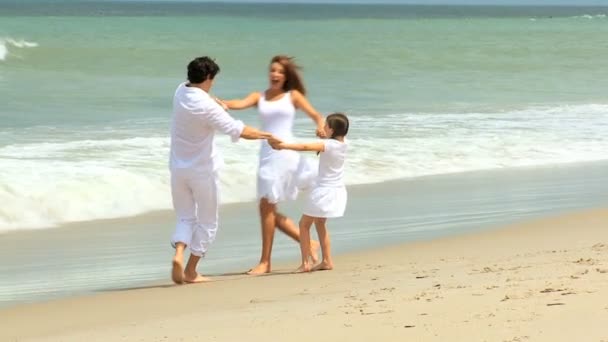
x,y
194,164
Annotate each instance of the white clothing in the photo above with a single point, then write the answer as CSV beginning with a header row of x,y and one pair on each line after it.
x,y
281,174
194,164
331,164
196,201
277,116
329,197
196,117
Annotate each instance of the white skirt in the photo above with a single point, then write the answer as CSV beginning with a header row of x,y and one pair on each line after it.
x,y
283,174
326,202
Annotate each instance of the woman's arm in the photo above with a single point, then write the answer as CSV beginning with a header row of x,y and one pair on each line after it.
x,y
249,101
313,146
300,101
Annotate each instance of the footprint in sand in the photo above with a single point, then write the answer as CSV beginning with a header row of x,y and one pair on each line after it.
x,y
374,267
579,274
518,339
260,300
549,290
583,261
563,292
511,296
491,270
420,296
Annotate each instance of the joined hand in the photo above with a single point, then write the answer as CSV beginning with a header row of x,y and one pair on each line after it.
x,y
321,132
221,103
275,143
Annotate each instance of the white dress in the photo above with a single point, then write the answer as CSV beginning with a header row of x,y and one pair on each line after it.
x,y
281,174
328,198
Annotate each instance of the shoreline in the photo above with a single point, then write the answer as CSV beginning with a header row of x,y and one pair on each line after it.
x,y
520,281
107,255
232,206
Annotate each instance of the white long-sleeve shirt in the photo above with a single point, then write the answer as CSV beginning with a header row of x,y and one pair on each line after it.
x,y
196,117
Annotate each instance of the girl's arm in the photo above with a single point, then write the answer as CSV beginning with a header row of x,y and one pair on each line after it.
x,y
249,101
313,146
300,101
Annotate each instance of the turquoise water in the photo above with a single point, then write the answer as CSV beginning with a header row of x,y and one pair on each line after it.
x,y
384,60
86,89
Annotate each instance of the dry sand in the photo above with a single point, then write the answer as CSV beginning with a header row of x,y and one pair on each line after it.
x,y
541,280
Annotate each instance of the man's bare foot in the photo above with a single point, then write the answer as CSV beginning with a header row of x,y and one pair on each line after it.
x,y
324,266
259,269
195,278
303,268
314,251
177,272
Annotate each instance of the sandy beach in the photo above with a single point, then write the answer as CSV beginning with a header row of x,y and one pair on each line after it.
x,y
538,280
477,172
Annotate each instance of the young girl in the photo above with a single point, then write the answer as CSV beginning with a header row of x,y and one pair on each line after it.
x,y
328,198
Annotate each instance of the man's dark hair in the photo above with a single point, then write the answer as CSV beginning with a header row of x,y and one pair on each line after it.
x,y
201,69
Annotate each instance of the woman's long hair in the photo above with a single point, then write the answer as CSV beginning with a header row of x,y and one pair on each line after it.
x,y
293,80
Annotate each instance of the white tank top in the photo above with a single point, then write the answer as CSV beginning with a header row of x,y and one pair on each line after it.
x,y
278,116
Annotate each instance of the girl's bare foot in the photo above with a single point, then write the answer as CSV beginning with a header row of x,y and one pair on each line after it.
x,y
177,271
195,278
303,268
324,266
260,269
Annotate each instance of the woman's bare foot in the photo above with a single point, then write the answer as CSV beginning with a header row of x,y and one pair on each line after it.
x,y
195,278
303,268
324,266
177,271
261,268
314,251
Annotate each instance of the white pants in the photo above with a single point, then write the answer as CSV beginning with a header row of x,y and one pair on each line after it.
x,y
195,200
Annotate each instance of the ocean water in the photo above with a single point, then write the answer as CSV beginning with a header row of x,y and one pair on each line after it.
x,y
86,90
131,253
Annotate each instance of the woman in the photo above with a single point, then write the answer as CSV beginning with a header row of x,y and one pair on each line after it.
x,y
280,173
